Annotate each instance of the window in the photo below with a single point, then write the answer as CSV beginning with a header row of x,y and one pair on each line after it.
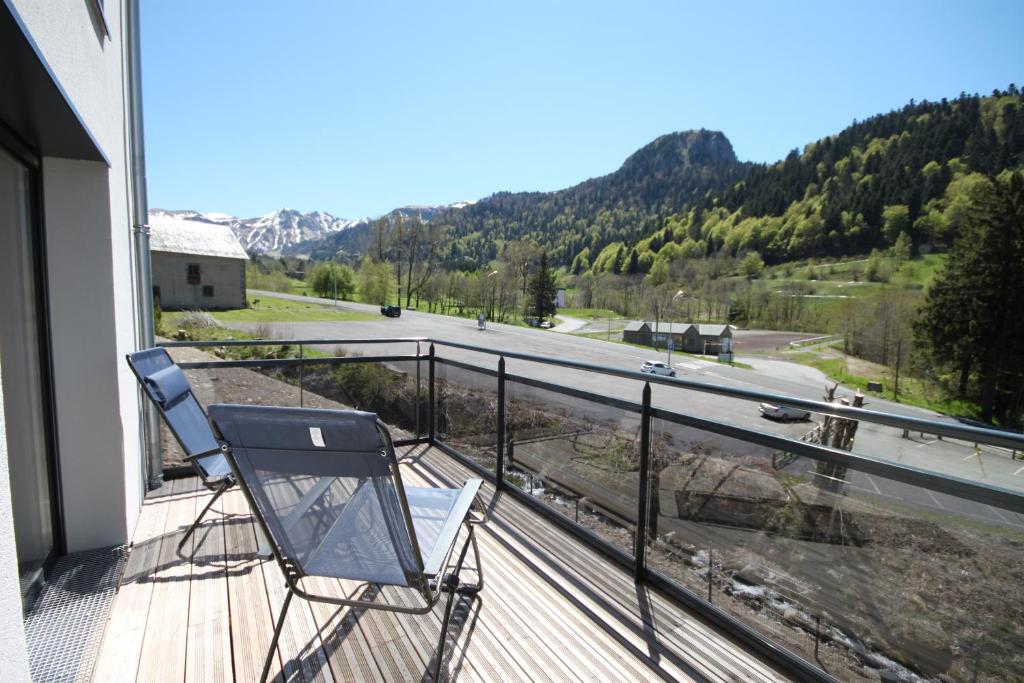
x,y
207,290
193,273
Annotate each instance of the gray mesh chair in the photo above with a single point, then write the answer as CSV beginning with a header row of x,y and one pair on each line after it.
x,y
325,487
166,385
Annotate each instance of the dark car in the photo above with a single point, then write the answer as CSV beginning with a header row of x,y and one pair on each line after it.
x,y
391,311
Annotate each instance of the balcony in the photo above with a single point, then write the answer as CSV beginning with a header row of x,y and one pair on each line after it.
x,y
632,537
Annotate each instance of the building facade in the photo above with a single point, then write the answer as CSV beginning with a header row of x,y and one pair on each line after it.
x,y
196,266
71,473
688,337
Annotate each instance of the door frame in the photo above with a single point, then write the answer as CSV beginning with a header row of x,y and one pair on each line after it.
x,y
13,145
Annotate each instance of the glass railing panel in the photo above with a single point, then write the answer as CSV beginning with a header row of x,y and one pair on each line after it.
x,y
396,390
864,575
579,457
466,410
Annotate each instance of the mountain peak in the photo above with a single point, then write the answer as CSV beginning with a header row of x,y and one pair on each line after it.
x,y
686,148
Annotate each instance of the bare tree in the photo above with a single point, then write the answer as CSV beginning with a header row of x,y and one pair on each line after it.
x,y
422,244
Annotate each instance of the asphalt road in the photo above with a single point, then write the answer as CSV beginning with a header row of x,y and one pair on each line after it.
x,y
988,465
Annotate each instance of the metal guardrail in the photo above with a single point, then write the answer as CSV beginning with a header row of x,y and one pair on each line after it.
x,y
970,433
953,486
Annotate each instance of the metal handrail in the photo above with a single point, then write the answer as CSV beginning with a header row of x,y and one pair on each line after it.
x,y
988,494
918,424
967,432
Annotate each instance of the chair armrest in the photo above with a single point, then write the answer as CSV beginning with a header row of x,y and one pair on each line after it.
x,y
204,454
434,564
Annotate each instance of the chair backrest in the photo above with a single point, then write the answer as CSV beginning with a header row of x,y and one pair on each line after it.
x,y
325,484
168,388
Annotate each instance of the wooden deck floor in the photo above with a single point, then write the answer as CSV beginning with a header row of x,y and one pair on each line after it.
x,y
552,610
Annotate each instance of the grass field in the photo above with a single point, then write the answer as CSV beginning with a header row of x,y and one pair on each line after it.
x,y
845,279
589,313
854,372
267,309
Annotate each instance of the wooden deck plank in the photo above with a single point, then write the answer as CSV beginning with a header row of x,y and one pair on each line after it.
x,y
208,655
520,591
562,553
118,658
348,652
712,653
299,646
552,609
581,632
252,623
164,647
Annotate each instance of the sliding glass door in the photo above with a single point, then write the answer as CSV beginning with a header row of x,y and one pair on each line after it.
x,y
21,369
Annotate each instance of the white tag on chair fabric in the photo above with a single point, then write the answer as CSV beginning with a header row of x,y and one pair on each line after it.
x,y
317,437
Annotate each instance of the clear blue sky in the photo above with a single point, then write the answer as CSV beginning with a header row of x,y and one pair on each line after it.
x,y
356,108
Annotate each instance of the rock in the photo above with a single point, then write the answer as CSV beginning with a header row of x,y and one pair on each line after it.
x,y
749,574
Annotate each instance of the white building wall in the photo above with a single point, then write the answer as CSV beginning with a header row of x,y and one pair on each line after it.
x,y
227,276
13,652
87,214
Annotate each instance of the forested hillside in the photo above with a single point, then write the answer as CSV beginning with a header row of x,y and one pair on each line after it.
x,y
901,172
656,181
845,194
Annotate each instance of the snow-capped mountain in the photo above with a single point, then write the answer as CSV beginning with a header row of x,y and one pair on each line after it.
x,y
272,233
291,232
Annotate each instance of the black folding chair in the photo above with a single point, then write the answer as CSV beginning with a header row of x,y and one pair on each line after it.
x,y
325,487
168,388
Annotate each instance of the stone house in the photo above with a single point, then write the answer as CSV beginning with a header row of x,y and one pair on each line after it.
x,y
196,265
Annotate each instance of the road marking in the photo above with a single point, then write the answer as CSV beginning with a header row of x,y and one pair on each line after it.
x,y
932,496
873,484
969,456
926,443
1001,515
1018,471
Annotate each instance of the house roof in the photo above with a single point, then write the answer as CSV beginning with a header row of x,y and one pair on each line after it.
x,y
711,330
178,236
636,325
670,327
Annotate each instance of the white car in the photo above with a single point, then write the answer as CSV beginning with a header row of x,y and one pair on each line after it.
x,y
656,367
784,413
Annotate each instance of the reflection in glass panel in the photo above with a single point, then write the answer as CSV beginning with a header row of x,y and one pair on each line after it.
x,y
20,369
866,576
581,457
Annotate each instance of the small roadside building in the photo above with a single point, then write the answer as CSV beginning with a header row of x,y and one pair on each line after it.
x,y
196,265
654,334
637,332
707,339
689,337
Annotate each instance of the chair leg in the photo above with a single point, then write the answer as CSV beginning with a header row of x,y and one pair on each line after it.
x,y
453,587
453,582
478,586
277,635
220,490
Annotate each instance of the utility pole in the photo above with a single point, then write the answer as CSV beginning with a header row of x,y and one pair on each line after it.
x,y
671,339
896,384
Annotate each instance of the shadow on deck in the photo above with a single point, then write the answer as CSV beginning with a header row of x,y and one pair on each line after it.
x,y
553,609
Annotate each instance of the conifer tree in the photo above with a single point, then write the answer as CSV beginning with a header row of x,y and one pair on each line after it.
x,y
973,316
543,289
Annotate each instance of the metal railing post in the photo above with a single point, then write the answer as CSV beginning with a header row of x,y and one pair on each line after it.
x,y
430,398
419,407
302,372
644,503
500,445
